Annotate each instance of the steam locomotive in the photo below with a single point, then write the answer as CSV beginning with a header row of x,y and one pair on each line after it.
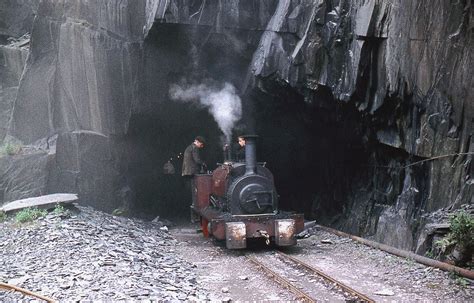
x,y
238,201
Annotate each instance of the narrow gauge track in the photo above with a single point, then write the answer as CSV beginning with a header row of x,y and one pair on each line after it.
x,y
292,274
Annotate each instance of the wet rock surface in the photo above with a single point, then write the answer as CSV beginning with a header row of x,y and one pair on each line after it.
x,y
90,255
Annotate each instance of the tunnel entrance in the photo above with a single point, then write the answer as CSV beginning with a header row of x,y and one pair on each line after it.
x,y
312,144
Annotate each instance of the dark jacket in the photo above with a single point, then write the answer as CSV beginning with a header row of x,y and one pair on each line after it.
x,y
239,153
191,161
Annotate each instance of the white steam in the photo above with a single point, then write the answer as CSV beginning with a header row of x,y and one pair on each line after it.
x,y
223,104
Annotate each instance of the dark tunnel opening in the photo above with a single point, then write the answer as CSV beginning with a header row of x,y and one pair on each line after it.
x,y
314,148
312,144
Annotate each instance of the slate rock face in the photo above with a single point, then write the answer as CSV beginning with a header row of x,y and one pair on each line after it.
x,y
12,62
84,164
82,69
404,69
24,175
404,66
16,17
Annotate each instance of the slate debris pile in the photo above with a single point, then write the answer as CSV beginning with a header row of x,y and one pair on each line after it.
x,y
91,255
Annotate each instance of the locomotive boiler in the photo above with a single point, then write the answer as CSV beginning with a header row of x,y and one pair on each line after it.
x,y
238,201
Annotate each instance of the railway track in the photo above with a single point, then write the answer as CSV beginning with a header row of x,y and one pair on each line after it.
x,y
307,283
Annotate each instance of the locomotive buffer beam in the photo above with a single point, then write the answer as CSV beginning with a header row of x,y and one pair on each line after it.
x,y
283,232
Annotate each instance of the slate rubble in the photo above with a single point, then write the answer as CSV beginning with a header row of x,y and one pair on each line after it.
x,y
91,255
384,275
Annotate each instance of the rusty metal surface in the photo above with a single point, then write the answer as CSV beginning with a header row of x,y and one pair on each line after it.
x,y
235,235
202,190
218,229
219,180
310,268
254,224
285,232
254,228
301,296
299,222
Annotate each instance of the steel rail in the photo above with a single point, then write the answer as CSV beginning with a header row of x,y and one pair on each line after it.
x,y
25,291
326,277
282,281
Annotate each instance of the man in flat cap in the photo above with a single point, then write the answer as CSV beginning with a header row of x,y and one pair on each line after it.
x,y
192,164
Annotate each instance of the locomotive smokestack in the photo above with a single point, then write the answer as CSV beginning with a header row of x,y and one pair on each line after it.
x,y
227,153
250,154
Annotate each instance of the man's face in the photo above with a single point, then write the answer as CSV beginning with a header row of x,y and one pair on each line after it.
x,y
198,144
242,142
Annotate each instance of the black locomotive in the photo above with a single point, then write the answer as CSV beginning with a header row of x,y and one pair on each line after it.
x,y
238,201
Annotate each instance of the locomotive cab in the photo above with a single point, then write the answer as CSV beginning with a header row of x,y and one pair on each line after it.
x,y
238,201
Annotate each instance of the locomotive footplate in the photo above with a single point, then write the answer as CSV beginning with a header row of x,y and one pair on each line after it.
x,y
281,228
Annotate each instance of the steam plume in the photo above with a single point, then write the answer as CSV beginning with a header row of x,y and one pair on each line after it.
x,y
223,104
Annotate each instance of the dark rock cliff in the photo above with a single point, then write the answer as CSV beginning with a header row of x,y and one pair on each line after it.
x,y
372,100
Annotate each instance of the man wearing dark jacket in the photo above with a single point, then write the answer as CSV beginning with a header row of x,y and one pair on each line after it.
x,y
240,150
192,165
192,162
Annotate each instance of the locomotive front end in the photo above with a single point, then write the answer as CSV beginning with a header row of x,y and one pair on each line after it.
x,y
252,191
239,201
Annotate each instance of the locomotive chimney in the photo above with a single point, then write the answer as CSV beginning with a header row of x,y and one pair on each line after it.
x,y
227,153
250,154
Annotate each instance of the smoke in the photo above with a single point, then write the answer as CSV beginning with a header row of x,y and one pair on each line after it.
x,y
222,103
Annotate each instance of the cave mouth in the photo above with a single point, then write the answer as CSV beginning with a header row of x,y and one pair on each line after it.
x,y
313,152
312,144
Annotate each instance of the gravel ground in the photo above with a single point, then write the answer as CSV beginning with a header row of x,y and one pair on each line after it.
x,y
379,275
382,276
91,255
226,274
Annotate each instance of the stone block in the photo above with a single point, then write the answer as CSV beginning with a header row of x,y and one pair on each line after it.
x,y
46,201
24,175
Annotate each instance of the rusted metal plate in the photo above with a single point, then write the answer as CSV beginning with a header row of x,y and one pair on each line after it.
x,y
202,190
299,222
254,228
254,224
285,232
235,235
218,229
219,180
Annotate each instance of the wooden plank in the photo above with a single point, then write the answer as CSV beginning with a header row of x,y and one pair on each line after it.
x,y
47,201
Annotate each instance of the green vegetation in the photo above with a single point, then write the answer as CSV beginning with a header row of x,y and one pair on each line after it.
x,y
3,216
60,210
10,149
29,214
462,228
445,245
429,254
463,282
460,237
